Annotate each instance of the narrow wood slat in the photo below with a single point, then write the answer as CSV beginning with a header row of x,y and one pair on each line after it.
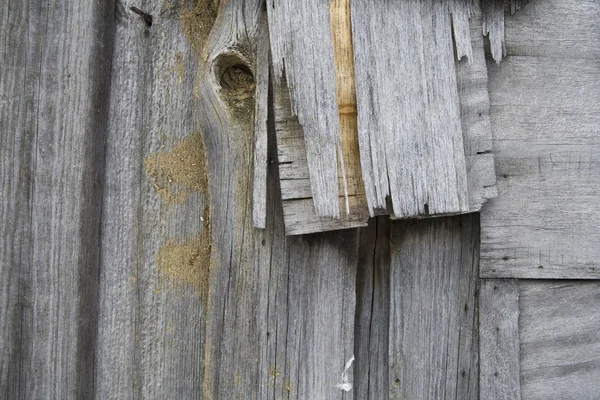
x,y
493,27
499,340
310,73
433,318
371,338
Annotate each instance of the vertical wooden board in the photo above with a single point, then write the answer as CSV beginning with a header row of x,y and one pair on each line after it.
x,y
493,27
155,236
499,339
307,57
18,111
433,324
405,68
371,335
560,339
472,81
55,74
545,100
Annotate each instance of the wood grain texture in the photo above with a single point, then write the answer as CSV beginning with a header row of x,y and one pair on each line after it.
x,y
148,345
371,338
499,339
493,27
405,69
306,55
259,182
560,339
280,315
296,191
545,102
471,80
55,71
433,311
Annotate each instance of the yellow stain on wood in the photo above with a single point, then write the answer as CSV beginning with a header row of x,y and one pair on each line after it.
x,y
341,28
197,22
188,262
180,170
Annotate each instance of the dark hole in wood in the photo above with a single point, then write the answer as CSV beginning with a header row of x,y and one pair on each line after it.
x,y
236,81
145,16
426,207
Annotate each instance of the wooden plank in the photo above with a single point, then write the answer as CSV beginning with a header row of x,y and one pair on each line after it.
x,y
371,337
433,323
55,71
405,68
155,236
560,339
259,183
471,76
280,311
19,87
493,27
545,102
310,72
499,339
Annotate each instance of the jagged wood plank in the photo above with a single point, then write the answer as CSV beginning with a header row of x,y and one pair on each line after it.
x,y
493,27
311,75
433,318
545,99
405,68
499,340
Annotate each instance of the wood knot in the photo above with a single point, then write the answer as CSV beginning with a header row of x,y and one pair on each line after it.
x,y
236,81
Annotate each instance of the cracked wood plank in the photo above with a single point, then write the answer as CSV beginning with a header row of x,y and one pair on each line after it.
x,y
471,79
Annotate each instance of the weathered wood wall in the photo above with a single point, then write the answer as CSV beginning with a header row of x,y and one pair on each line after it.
x,y
127,270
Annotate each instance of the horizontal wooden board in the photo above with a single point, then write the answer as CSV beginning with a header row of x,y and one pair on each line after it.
x,y
545,118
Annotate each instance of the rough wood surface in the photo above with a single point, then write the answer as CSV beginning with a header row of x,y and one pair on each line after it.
x,y
371,338
405,69
261,160
148,345
560,339
433,316
280,313
499,339
307,57
52,121
545,99
493,27
471,79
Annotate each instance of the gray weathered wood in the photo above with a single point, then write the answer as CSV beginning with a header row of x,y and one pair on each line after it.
x,y
306,55
404,62
148,345
560,339
545,99
471,75
54,73
493,27
280,316
461,12
433,319
499,339
259,182
371,372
